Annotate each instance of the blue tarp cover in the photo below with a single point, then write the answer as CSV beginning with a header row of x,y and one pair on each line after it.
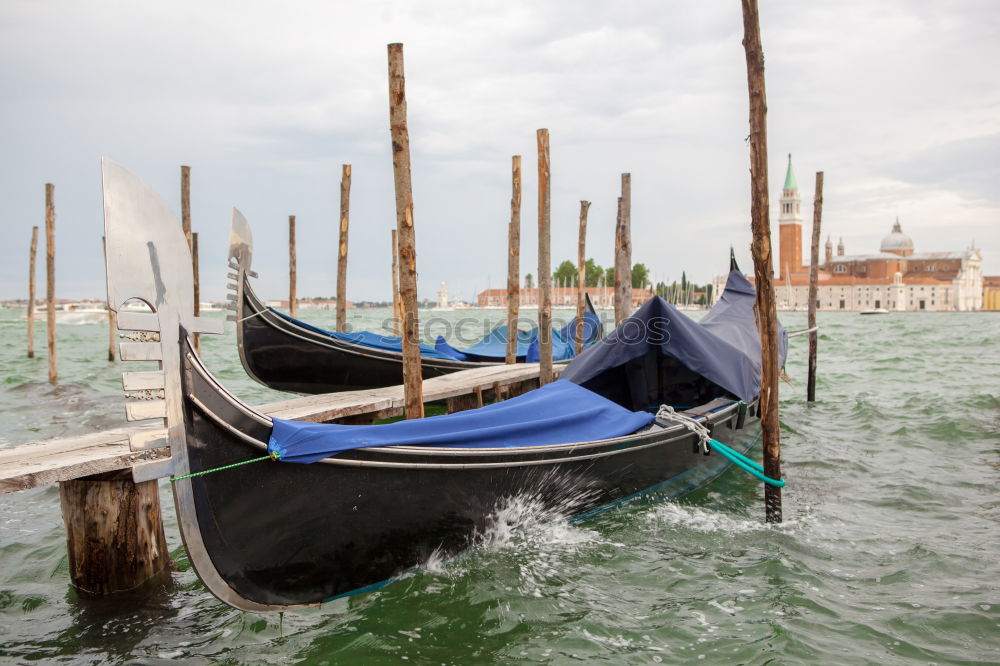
x,y
724,347
494,345
557,413
368,339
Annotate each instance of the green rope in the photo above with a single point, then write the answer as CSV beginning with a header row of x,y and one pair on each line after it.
x,y
270,456
752,467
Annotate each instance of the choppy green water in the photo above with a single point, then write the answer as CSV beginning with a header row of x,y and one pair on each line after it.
x,y
890,552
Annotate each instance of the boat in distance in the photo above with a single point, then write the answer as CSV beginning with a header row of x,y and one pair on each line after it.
x,y
327,510
288,354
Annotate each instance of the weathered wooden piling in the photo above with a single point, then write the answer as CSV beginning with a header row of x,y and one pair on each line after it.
x,y
514,259
813,287
616,287
293,304
412,382
50,277
544,259
397,312
31,291
581,275
762,261
345,216
114,532
624,284
196,337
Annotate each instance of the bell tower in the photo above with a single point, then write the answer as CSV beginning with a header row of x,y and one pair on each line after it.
x,y
790,225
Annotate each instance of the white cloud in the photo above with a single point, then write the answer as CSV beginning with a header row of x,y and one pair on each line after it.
x,y
894,101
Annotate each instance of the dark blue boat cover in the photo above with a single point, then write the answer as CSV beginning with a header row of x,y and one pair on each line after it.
x,y
557,413
390,343
494,346
724,347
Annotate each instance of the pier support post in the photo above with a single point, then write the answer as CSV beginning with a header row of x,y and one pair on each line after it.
x,y
31,291
581,275
514,260
813,287
293,303
50,277
114,532
544,259
345,217
762,261
412,381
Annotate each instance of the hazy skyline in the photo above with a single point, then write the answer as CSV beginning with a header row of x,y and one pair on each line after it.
x,y
895,101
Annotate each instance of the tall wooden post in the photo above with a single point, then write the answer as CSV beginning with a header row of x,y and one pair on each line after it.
x,y
293,305
31,291
412,382
514,260
544,259
618,290
50,277
626,245
197,288
813,287
581,275
112,323
762,261
345,213
397,311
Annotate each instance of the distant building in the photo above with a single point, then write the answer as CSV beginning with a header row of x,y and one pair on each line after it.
x,y
602,297
442,297
894,278
991,292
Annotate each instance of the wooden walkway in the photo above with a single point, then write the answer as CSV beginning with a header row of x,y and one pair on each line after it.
x,y
54,460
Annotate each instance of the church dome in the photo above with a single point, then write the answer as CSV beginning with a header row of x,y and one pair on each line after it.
x,y
897,242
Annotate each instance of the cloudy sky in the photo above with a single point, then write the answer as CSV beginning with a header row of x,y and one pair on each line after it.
x,y
897,101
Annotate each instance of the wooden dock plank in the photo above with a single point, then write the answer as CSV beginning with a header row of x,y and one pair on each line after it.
x,y
51,461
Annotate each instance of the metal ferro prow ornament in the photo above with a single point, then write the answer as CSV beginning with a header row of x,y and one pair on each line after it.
x,y
148,260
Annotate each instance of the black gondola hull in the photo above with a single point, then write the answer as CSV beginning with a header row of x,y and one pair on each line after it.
x,y
282,534
284,356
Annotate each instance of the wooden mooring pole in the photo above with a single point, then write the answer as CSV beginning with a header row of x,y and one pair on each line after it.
x,y
197,288
345,216
813,287
412,382
626,247
397,312
293,308
514,259
581,275
50,277
544,259
762,261
31,291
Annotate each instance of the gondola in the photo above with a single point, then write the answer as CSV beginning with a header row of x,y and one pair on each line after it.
x,y
287,354
328,510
